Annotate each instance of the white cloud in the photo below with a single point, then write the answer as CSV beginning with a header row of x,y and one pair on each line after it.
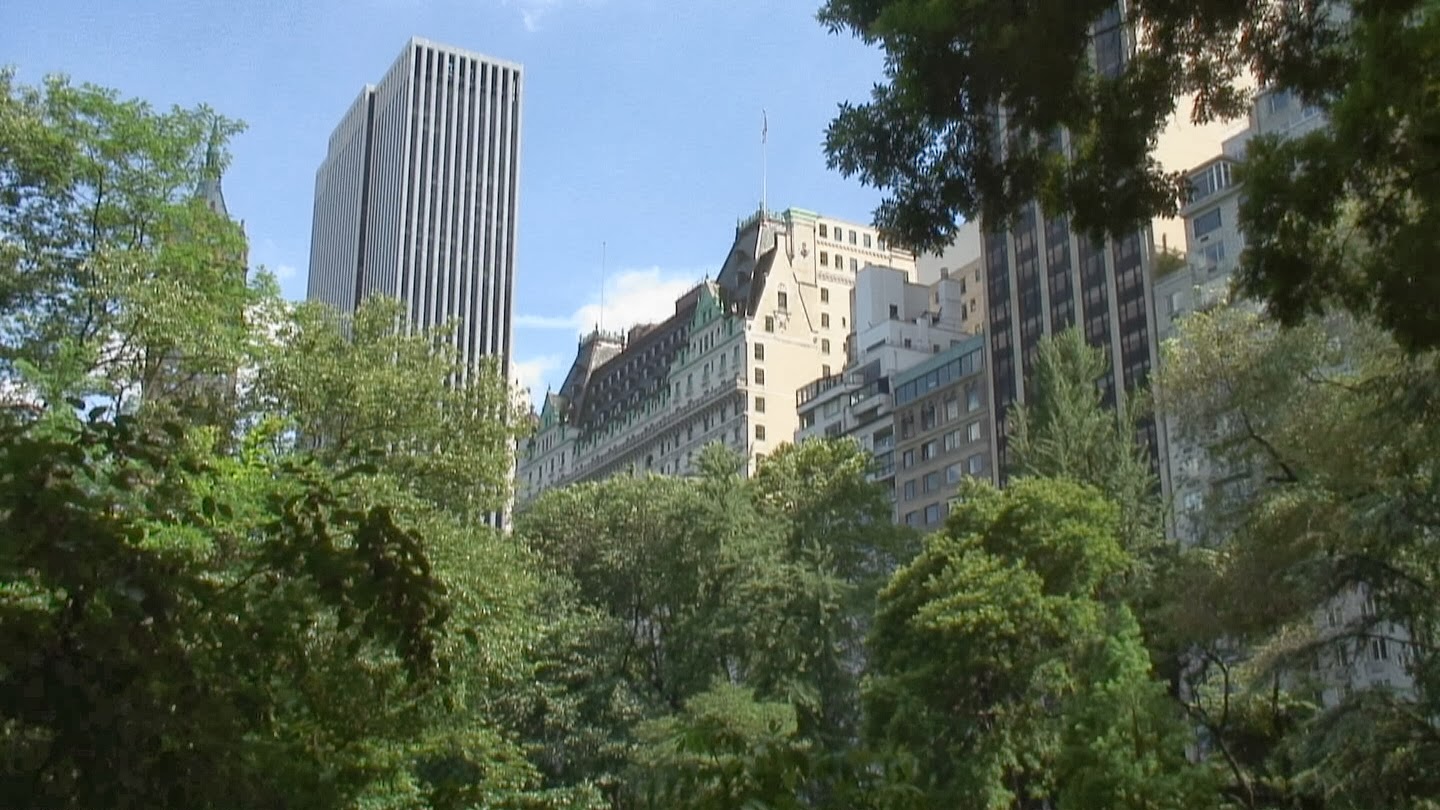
x,y
533,11
529,374
631,297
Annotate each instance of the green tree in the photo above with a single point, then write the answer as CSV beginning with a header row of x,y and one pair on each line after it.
x,y
998,668
1328,433
284,601
182,630
1064,430
725,749
114,279
1341,217
764,584
366,387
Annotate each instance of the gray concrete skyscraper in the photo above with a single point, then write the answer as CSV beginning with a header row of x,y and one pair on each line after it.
x,y
416,198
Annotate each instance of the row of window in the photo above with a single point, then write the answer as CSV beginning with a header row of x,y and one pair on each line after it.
x,y
930,415
932,515
839,262
952,441
932,481
855,236
959,368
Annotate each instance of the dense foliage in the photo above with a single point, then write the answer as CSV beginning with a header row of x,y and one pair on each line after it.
x,y
968,126
243,561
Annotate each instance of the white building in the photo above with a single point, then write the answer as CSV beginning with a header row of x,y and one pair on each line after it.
x,y
898,324
416,197
725,366
1214,243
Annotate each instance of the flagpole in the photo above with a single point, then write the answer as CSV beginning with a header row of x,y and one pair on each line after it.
x,y
602,286
764,159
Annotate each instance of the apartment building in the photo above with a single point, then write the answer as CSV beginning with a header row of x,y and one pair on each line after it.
x,y
1198,477
1213,245
959,261
942,429
724,366
898,325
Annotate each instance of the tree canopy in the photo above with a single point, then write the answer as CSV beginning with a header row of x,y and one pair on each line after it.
x,y
968,125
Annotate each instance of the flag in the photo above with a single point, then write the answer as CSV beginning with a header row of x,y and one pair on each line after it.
x,y
764,126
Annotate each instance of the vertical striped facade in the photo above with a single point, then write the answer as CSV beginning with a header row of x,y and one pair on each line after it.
x,y
1043,278
417,196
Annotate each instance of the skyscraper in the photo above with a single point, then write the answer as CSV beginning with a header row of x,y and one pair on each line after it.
x,y
1042,278
416,198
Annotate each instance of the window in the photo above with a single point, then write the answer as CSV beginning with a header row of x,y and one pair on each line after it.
x,y
825,348
975,465
824,258
972,432
1213,179
912,518
852,237
823,229
839,262
839,235
759,376
932,514
910,490
932,481
769,324
1212,254
952,440
854,266
824,295
952,473
759,404
867,240
824,319
1174,303
927,416
824,371
894,311
1206,222
760,433
952,409
907,459
782,300
972,398
759,351
929,450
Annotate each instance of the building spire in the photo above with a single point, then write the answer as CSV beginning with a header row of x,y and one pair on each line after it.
x,y
209,188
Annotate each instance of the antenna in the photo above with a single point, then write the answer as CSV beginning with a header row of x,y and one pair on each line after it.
x,y
764,158
602,286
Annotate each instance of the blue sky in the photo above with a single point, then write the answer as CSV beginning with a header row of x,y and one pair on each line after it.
x,y
642,122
